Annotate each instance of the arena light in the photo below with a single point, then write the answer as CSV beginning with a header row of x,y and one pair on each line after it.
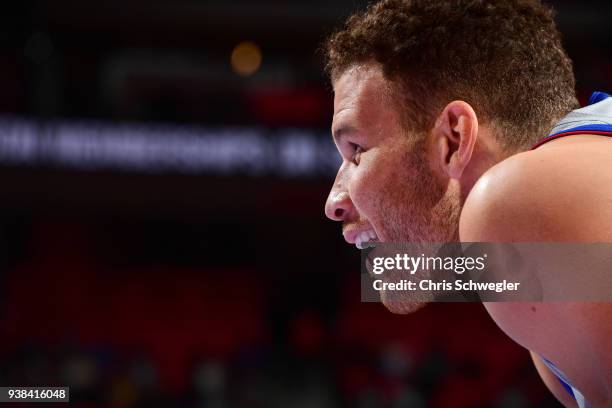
x,y
246,58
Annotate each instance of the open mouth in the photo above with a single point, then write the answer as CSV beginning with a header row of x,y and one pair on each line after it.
x,y
365,238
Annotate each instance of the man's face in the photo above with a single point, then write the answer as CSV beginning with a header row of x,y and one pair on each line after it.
x,y
386,188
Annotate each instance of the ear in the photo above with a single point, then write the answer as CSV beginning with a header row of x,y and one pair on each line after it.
x,y
454,136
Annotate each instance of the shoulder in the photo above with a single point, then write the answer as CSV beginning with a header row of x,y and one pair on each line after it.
x,y
531,196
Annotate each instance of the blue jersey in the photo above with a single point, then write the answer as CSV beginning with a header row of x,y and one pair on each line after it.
x,y
573,391
594,119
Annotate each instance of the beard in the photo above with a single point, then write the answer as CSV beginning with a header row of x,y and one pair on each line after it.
x,y
418,209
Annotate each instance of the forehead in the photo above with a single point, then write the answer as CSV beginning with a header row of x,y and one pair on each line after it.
x,y
358,84
362,96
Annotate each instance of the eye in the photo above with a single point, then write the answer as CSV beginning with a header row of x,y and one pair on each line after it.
x,y
357,150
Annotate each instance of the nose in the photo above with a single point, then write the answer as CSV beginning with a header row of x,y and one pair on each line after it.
x,y
338,205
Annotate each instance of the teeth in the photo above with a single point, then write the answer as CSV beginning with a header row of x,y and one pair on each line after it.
x,y
365,237
358,242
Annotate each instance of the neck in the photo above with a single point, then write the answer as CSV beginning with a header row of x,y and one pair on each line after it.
x,y
487,153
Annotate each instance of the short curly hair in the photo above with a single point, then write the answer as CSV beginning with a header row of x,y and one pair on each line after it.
x,y
504,57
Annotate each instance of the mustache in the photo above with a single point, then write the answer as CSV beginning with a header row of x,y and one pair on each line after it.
x,y
355,224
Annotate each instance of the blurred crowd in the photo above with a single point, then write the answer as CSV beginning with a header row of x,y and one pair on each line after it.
x,y
145,336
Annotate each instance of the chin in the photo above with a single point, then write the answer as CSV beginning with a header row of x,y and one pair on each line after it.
x,y
399,306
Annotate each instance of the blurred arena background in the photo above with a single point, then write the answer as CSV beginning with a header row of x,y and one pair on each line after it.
x,y
163,169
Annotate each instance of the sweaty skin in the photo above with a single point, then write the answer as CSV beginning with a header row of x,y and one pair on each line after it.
x,y
561,191
456,182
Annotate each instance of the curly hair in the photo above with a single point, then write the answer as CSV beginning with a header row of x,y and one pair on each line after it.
x,y
503,57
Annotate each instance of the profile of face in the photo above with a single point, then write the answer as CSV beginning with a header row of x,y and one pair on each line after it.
x,y
387,188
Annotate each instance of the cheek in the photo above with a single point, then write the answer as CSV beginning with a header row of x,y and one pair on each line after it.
x,y
367,187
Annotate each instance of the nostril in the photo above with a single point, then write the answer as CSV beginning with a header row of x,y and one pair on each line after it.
x,y
339,212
